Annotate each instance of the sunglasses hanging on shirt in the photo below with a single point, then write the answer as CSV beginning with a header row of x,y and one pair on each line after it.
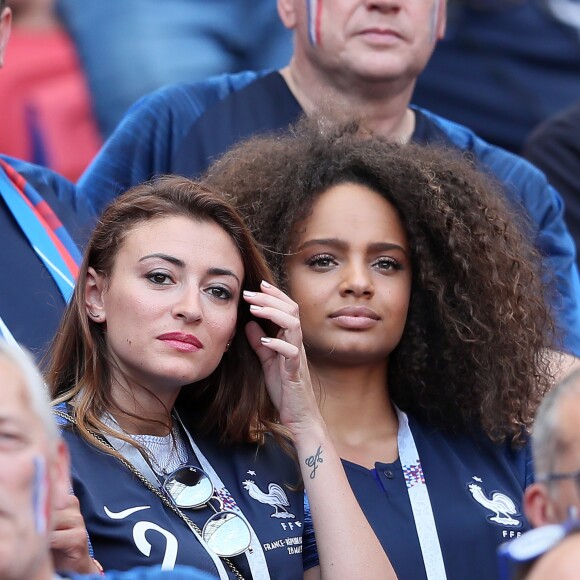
x,y
225,532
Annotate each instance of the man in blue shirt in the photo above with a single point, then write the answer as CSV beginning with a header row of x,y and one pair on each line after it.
x,y
365,56
43,222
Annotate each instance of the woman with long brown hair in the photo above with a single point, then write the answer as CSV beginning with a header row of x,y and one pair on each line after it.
x,y
425,326
175,426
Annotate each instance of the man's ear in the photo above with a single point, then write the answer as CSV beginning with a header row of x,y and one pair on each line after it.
x,y
287,13
5,27
538,505
95,287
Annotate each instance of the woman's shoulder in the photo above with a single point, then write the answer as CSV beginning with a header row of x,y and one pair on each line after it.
x,y
474,449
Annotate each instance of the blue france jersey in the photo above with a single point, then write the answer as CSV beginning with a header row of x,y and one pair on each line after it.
x,y
130,526
475,489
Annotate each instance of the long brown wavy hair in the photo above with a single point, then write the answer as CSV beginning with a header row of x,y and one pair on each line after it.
x,y
232,402
474,354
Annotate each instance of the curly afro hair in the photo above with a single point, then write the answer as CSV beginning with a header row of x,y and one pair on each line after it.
x,y
475,351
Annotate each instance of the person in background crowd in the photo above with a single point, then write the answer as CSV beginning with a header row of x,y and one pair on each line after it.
x,y
425,326
364,55
491,73
552,503
556,447
130,47
554,146
46,115
175,426
43,222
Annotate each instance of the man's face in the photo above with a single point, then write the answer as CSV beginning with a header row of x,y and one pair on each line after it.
x,y
382,40
565,494
28,473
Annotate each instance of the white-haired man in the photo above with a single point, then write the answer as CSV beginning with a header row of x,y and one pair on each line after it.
x,y
33,470
35,484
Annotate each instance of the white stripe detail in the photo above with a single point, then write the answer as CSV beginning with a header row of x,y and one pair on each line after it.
x,y
125,513
6,334
420,503
54,267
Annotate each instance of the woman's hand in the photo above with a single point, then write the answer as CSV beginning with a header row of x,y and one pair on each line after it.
x,y
69,540
283,358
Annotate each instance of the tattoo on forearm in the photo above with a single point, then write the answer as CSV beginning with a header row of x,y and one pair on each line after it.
x,y
313,462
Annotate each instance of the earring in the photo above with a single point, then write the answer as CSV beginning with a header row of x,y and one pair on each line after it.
x,y
229,343
94,315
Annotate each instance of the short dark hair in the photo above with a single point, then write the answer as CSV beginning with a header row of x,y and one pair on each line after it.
x,y
473,352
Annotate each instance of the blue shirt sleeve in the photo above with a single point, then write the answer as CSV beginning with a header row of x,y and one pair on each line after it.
x,y
309,550
141,146
146,140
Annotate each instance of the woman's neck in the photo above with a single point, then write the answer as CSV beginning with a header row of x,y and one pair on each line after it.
x,y
140,411
355,404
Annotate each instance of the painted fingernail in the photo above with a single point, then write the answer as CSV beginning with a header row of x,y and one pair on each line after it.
x,y
266,284
254,307
265,339
249,293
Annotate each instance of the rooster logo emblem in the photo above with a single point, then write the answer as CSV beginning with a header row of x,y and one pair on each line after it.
x,y
500,504
276,497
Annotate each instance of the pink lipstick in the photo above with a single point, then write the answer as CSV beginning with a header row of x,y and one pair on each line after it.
x,y
181,341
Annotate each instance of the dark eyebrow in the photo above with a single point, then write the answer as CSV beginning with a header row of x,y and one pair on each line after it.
x,y
181,264
342,245
165,257
223,272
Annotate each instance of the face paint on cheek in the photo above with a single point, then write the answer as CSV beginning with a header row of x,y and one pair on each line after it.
x,y
40,495
314,10
434,21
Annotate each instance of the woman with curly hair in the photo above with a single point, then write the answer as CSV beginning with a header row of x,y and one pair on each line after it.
x,y
424,321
